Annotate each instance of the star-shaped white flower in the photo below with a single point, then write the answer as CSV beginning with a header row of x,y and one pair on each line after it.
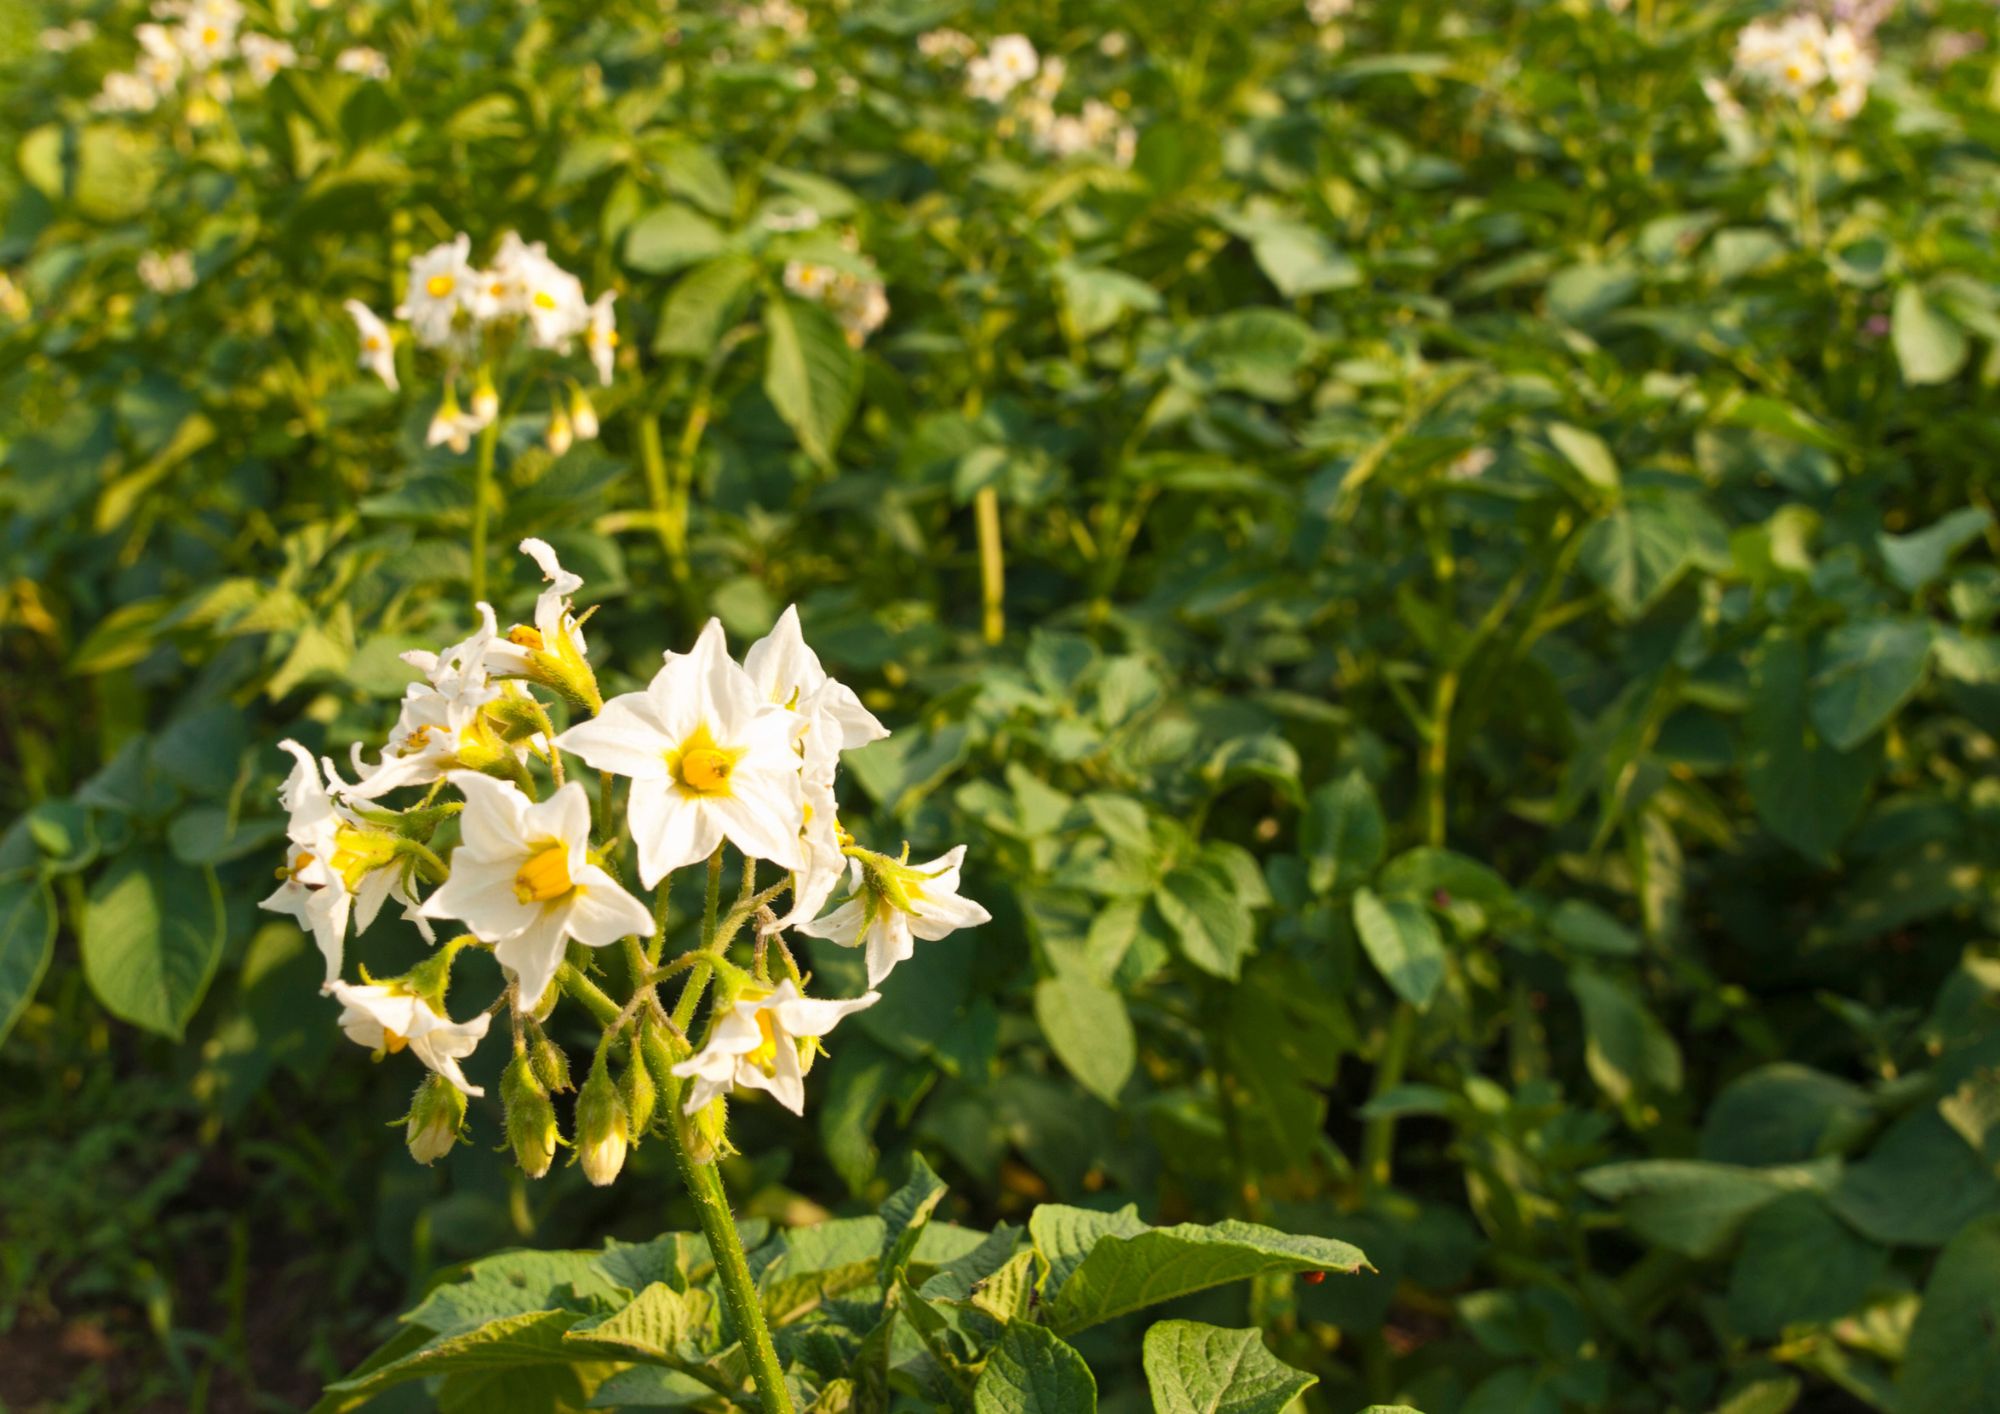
x,y
755,1045
321,885
894,904
523,880
378,353
601,336
442,719
387,1020
443,286
267,57
709,758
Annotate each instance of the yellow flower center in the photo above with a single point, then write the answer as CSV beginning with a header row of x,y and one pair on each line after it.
x,y
438,286
521,636
372,343
545,876
210,35
299,865
701,766
765,1057
393,1043
544,300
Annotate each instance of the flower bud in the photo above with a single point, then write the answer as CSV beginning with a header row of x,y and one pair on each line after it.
x,y
436,1115
560,434
551,1065
485,398
640,1094
531,1119
601,1127
707,1133
582,415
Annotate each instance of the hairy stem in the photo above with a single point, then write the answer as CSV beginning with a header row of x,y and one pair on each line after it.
x,y
482,496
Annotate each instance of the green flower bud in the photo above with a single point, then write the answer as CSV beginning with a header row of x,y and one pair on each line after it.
x,y
531,1119
551,1065
602,1127
640,1094
436,1115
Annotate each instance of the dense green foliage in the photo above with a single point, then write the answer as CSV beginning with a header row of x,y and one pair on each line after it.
x,y
1490,755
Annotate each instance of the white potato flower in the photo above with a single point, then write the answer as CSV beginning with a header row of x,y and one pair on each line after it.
x,y
167,272
378,352
60,39
362,61
896,903
444,724
207,32
755,1045
709,759
1014,59
266,57
386,1020
524,282
126,93
524,881
336,869
442,292
600,337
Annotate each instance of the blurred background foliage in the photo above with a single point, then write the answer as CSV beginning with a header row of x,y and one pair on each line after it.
x,y
1490,753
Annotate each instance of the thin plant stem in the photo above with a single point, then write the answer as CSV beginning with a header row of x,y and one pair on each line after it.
x,y
1378,1141
992,566
482,496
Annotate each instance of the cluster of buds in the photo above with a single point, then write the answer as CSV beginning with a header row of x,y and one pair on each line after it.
x,y
713,753
1820,68
192,40
474,317
859,302
1012,72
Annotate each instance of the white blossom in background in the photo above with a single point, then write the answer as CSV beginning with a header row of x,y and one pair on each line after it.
x,y
161,58
896,903
1325,12
378,352
781,15
266,57
207,30
859,303
1802,59
946,46
126,93
442,293
600,337
1114,44
387,1020
364,62
1470,464
167,272
336,869
1008,62
524,881
60,39
756,1045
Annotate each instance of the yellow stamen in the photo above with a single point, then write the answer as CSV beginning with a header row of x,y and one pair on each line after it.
x,y
545,876
765,1057
522,636
438,286
544,300
391,1042
210,35
701,766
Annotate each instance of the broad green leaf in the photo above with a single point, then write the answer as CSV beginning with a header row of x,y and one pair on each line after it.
x,y
1298,259
1031,1371
1064,1235
1213,925
1806,792
1099,297
1256,351
27,941
1917,560
510,1284
533,1338
670,237
1798,1264
1342,834
1953,1357
906,1214
1584,927
1784,1114
1695,1208
652,1326
1918,1184
1626,1049
1587,453
1866,672
1121,1274
704,300
152,935
1402,940
1193,1368
1930,345
1637,553
825,1260
810,374
1089,1029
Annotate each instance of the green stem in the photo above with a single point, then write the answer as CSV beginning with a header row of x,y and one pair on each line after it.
x,y
1378,1141
992,566
669,515
593,997
482,489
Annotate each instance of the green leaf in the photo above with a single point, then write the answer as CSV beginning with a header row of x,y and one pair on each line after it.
x,y
1299,260
1806,792
1193,1368
906,1214
1799,1264
1342,835
1214,927
1918,559
1930,344
1089,1030
152,935
672,236
1587,453
1866,672
533,1338
1696,1208
1099,297
1918,1185
1125,1273
1402,940
1637,553
810,374
27,941
691,322
1627,1050
1032,1372
1584,927
653,1325
1953,1357
1256,351
1064,1235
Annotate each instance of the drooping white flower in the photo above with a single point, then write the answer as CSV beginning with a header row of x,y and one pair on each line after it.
x,y
207,34
443,725
126,93
443,288
709,758
601,337
554,304
896,903
266,57
755,1045
388,1020
787,673
362,61
523,880
1014,59
378,354
334,869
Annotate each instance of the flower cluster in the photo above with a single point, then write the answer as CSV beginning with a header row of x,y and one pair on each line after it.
x,y
1008,62
1803,59
713,753
859,302
190,39
473,316
166,272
